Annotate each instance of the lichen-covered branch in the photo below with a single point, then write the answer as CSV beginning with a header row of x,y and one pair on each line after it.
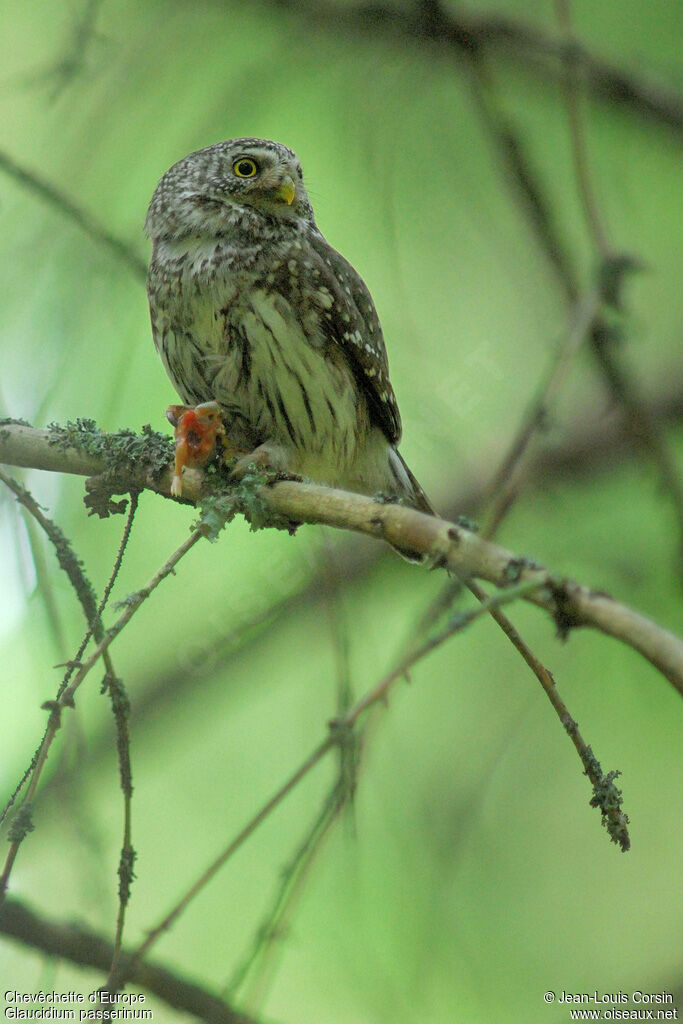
x,y
570,604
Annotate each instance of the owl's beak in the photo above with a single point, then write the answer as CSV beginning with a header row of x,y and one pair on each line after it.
x,y
286,191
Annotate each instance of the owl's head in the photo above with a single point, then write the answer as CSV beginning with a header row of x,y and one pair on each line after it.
x,y
202,193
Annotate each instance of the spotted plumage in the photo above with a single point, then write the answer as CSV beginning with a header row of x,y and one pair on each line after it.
x,y
251,307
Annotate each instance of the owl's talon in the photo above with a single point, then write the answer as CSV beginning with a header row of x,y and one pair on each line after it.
x,y
267,458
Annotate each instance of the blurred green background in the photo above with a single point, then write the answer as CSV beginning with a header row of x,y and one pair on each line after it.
x,y
470,875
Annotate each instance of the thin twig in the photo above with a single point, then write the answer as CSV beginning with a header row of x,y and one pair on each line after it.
x,y
605,794
152,937
22,823
65,698
291,883
72,566
134,601
339,797
120,708
458,621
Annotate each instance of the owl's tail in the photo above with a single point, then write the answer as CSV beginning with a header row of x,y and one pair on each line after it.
x,y
407,486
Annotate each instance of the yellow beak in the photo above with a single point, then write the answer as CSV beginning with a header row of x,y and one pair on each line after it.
x,y
286,191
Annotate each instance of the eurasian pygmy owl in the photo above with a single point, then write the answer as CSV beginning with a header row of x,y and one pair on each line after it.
x,y
251,307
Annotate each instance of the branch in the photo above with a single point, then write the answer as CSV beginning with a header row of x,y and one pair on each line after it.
x,y
591,448
570,604
88,949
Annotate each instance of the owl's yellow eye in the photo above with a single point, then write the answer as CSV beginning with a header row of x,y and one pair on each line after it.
x,y
245,167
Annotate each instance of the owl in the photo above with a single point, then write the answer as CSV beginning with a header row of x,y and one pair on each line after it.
x,y
252,308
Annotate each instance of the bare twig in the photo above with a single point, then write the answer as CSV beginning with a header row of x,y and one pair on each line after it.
x,y
133,602
295,873
292,878
74,570
65,698
270,929
119,978
605,794
120,708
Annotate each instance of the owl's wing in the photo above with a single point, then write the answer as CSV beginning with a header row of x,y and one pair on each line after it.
x,y
351,321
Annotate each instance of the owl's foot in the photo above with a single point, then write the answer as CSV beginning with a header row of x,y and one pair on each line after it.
x,y
269,457
197,430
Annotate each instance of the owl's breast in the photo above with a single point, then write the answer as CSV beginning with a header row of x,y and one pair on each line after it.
x,y
288,386
190,281
257,341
